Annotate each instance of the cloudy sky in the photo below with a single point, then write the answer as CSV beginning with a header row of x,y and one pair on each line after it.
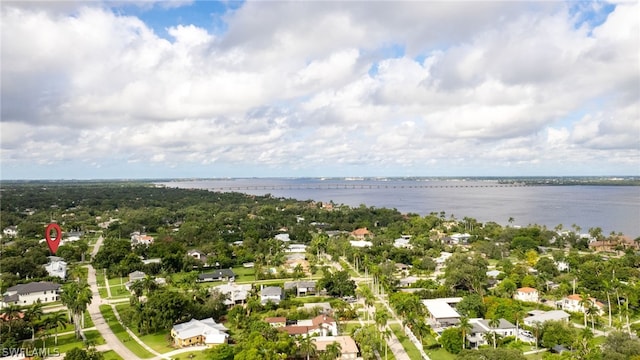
x,y
319,88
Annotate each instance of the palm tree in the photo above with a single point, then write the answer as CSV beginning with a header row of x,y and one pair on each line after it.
x,y
585,303
57,320
381,318
332,351
465,326
10,314
77,296
494,323
33,315
386,335
307,346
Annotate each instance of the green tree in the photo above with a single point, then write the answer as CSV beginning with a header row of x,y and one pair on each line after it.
x,y
465,327
76,296
81,354
451,340
466,272
494,323
338,283
307,346
57,320
331,352
493,354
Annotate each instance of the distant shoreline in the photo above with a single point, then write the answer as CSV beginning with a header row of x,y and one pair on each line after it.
x,y
521,180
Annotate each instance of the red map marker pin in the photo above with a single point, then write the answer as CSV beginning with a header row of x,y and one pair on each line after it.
x,y
53,243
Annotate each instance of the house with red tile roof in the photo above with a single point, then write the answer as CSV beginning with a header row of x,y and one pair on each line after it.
x,y
574,303
361,233
321,325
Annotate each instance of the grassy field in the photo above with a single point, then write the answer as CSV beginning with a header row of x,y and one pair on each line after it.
x,y
244,274
69,341
408,346
192,355
122,334
111,355
99,277
159,342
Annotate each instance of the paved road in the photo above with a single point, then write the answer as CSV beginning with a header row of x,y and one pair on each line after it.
x,y
101,325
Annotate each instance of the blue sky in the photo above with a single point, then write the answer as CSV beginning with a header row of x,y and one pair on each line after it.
x,y
172,89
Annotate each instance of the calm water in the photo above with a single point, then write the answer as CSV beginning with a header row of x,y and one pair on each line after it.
x,y
612,208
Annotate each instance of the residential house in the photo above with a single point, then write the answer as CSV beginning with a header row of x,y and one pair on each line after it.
x,y
10,231
408,281
274,294
323,307
442,259
526,294
402,267
480,327
493,274
136,275
277,322
348,347
403,242
56,267
27,294
236,294
283,237
562,265
199,332
614,243
218,275
321,325
573,303
361,233
540,317
441,312
301,287
138,238
457,239
198,255
296,248
361,243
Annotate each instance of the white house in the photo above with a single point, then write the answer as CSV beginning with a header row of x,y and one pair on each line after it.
x,y
573,303
141,239
540,317
361,243
562,265
403,242
441,314
27,294
237,294
271,293
321,325
283,237
296,248
526,294
199,332
56,267
480,327
10,231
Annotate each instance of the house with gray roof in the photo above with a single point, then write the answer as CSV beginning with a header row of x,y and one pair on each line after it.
x,y
27,294
301,287
540,317
481,326
274,294
218,275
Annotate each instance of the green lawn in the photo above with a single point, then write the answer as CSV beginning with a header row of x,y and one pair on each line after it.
x,y
103,293
408,346
159,342
68,342
122,334
440,354
99,277
197,355
87,320
111,355
119,292
244,274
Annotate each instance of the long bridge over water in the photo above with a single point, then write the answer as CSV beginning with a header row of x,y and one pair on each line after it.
x,y
359,186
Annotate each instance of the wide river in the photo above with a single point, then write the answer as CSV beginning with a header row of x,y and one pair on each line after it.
x,y
612,208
